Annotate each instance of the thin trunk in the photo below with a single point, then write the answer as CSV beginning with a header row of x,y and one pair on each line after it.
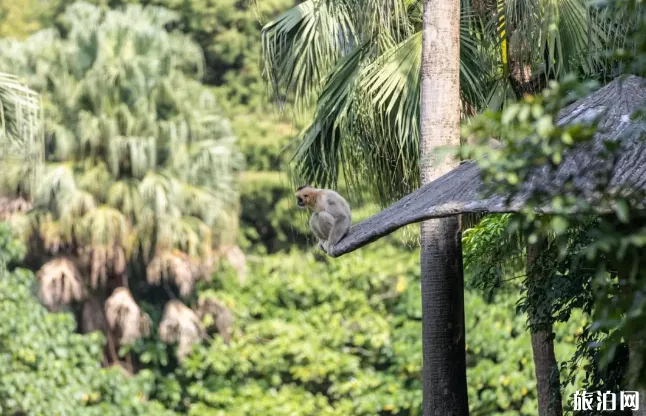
x,y
636,350
635,362
444,372
545,365
547,374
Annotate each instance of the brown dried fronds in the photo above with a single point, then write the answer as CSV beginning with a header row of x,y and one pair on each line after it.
x,y
212,311
60,283
11,206
125,318
180,324
236,259
104,262
172,265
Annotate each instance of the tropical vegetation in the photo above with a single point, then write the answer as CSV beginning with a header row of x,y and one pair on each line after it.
x,y
139,184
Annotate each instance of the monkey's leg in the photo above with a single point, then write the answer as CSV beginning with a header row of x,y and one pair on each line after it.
x,y
340,228
326,225
316,229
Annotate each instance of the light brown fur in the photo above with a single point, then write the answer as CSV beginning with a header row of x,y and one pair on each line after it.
x,y
331,214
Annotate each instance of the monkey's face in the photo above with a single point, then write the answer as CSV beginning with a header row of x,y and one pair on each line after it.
x,y
306,197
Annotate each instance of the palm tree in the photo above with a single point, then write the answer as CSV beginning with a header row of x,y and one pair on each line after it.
x,y
139,187
444,358
358,62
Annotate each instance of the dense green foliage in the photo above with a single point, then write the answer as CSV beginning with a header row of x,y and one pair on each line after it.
x,y
47,368
594,262
342,338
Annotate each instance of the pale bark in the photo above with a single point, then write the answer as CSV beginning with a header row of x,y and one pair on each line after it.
x,y
545,365
444,367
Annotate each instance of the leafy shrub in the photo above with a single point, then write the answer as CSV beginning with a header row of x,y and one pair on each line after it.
x,y
47,368
343,337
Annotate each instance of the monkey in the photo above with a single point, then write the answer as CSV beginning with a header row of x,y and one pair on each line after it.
x,y
331,215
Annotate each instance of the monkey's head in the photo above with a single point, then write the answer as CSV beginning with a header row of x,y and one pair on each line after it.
x,y
306,196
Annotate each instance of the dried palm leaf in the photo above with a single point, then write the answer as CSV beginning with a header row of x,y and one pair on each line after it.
x,y
11,206
125,318
172,264
236,259
180,324
213,310
104,262
60,283
202,268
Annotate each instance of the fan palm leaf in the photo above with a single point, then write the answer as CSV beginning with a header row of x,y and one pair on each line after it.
x,y
302,45
77,206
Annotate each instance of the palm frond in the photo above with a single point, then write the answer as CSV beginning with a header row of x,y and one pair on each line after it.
x,y
104,226
320,153
137,153
158,193
60,283
172,265
105,262
125,197
95,179
302,44
20,120
49,232
76,206
366,123
125,318
56,187
181,325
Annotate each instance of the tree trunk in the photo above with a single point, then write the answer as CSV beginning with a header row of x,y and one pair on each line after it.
x,y
545,365
444,367
635,362
635,346
547,375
